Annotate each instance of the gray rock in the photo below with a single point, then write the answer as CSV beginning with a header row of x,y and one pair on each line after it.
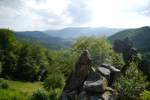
x,y
98,85
104,71
77,77
112,68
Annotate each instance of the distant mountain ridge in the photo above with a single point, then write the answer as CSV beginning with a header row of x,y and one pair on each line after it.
x,y
76,32
43,39
139,36
56,39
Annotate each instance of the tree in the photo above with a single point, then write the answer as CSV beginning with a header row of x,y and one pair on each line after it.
x,y
7,40
100,49
8,48
130,85
26,67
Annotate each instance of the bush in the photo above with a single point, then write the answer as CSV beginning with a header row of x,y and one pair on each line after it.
x,y
145,95
54,81
131,84
40,94
54,94
63,61
3,84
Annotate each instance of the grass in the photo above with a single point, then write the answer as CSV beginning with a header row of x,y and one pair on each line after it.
x,y
7,94
26,88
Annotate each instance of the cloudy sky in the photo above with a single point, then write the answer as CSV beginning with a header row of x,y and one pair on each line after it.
x,y
23,15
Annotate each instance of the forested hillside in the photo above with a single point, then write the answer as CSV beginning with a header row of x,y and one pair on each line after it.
x,y
139,36
76,32
42,38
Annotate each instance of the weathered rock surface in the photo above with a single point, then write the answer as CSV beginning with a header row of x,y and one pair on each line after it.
x,y
104,71
97,84
111,68
87,83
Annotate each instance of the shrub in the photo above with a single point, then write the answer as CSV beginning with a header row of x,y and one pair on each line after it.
x,y
40,94
54,94
54,81
3,84
131,84
145,95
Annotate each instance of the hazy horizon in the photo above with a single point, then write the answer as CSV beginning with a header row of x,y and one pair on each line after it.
x,y
29,15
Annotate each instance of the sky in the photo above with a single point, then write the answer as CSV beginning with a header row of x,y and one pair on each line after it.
x,y
22,15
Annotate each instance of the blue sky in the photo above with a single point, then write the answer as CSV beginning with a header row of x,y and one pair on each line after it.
x,y
23,15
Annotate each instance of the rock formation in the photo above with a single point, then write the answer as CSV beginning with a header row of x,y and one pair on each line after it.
x,y
88,83
130,54
126,47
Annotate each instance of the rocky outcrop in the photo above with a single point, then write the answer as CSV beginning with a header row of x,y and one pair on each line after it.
x,y
130,54
145,67
126,47
88,83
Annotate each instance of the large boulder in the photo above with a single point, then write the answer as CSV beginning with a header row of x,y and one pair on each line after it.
x,y
95,83
109,72
104,71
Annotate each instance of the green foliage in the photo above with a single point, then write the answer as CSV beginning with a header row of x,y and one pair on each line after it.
x,y
22,61
63,61
7,40
54,84
145,95
54,81
131,84
26,67
40,94
6,94
8,48
3,84
100,49
55,94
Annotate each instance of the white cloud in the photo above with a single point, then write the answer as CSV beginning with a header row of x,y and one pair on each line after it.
x,y
49,14
118,13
